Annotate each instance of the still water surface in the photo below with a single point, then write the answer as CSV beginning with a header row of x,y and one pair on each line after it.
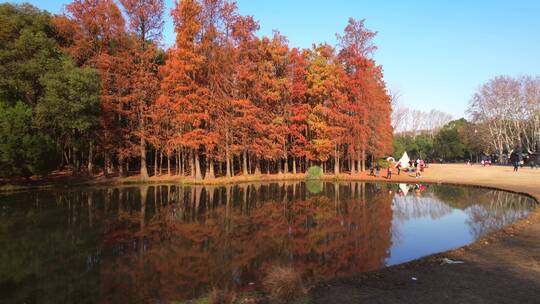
x,y
168,242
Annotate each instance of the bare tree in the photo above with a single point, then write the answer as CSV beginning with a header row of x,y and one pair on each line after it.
x,y
399,112
415,122
510,109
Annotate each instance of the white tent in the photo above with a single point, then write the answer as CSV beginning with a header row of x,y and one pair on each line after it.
x,y
404,160
404,189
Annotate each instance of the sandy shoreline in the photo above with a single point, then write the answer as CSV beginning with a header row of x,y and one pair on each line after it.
x,y
503,267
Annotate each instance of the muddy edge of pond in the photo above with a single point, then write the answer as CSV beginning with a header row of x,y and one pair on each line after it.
x,y
503,266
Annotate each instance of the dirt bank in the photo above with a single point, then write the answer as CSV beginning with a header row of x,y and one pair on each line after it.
x,y
501,268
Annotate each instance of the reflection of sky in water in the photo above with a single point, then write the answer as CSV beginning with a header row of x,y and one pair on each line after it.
x,y
424,235
424,225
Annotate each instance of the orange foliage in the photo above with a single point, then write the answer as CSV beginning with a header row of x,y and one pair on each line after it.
x,y
225,98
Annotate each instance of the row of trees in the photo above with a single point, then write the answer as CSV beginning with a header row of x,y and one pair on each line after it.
x,y
457,140
507,112
414,122
90,87
505,117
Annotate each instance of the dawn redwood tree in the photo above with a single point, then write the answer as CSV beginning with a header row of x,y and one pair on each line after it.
x,y
368,102
217,48
93,33
297,108
247,125
275,97
91,28
325,97
145,24
181,87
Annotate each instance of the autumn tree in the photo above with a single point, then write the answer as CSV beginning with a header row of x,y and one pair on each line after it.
x,y
98,89
297,108
369,104
247,125
325,96
93,33
145,24
181,87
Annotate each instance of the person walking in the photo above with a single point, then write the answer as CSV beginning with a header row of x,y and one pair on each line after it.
x,y
377,170
514,158
398,167
532,162
389,173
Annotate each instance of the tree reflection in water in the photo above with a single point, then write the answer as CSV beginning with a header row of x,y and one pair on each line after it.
x,y
201,237
166,242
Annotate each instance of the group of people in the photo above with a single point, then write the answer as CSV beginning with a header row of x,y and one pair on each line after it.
x,y
515,159
518,160
417,166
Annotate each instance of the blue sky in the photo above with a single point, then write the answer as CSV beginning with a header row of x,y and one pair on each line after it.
x,y
436,53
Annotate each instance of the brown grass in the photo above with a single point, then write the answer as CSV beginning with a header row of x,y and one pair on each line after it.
x,y
218,296
284,285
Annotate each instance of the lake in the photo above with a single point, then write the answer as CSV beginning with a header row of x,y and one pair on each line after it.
x,y
168,242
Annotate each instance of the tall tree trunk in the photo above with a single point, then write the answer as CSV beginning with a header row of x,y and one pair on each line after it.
x,y
160,162
358,162
351,165
244,163
90,159
168,165
286,161
178,162
75,161
108,165
182,164
257,166
294,165
65,158
211,173
198,175
121,167
144,169
228,159
191,164
363,161
269,167
228,162
155,162
336,161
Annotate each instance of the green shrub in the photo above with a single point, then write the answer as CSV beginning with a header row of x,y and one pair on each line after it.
x,y
314,172
383,163
314,186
